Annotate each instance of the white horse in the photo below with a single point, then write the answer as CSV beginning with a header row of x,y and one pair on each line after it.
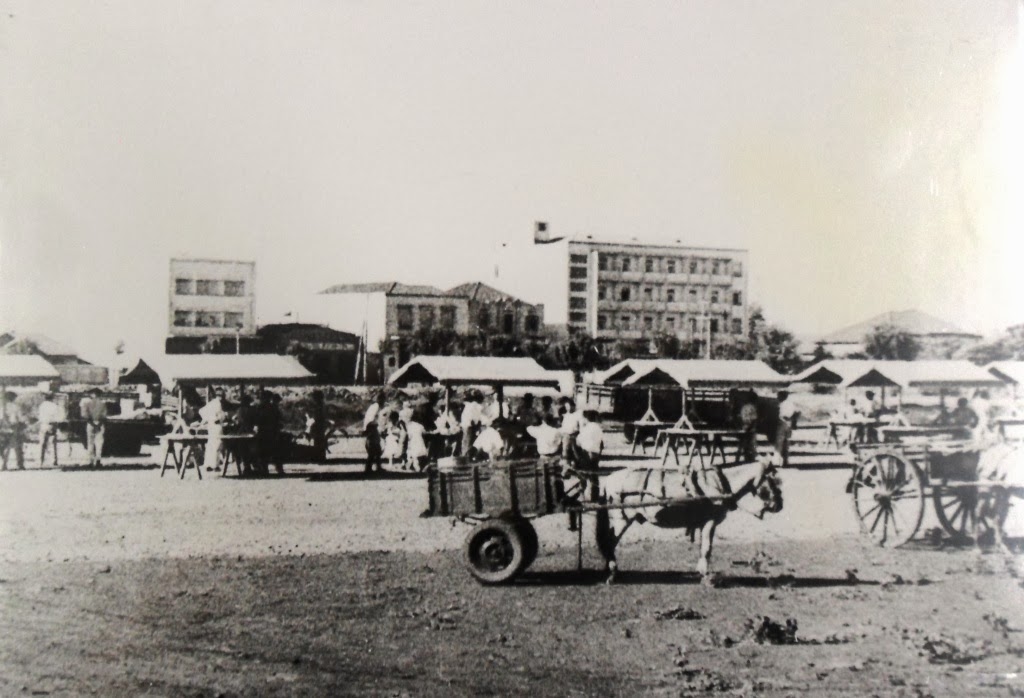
x,y
710,497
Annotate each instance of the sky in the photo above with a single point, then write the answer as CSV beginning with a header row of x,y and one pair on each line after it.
x,y
869,155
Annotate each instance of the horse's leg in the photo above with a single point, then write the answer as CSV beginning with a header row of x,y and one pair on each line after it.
x,y
707,541
609,529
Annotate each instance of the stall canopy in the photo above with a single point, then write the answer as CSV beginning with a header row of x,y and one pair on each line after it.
x,y
201,369
474,370
622,371
1011,372
925,374
698,373
835,371
25,369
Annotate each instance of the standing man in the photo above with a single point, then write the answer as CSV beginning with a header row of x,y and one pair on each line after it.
x,y
748,422
13,423
49,415
319,428
570,428
94,412
784,428
213,416
471,420
372,432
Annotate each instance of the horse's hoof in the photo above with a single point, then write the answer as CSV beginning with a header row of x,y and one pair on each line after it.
x,y
711,580
611,578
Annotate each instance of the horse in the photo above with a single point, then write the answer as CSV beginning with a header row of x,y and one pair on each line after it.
x,y
711,499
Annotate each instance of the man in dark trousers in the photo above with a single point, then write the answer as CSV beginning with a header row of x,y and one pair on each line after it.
x,y
268,434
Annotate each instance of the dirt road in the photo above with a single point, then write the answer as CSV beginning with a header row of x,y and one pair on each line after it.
x,y
325,583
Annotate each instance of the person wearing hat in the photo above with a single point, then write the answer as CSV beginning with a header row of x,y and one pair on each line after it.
x,y
49,415
94,412
12,431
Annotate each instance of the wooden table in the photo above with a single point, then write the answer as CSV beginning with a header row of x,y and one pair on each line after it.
x,y
1003,422
859,436
697,440
184,450
896,434
234,447
643,429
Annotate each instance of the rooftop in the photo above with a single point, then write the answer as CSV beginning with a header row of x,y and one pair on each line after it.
x,y
913,321
635,242
390,288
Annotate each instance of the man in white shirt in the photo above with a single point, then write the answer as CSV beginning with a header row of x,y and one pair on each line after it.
x,y
589,447
50,414
490,442
471,420
547,436
371,430
213,414
983,408
570,427
787,418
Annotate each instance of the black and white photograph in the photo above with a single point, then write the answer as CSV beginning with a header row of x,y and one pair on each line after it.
x,y
454,348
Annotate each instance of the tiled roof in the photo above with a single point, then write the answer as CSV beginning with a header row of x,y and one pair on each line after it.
x,y
45,345
26,366
391,288
481,292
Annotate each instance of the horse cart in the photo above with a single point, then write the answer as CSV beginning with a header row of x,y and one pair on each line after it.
x,y
892,483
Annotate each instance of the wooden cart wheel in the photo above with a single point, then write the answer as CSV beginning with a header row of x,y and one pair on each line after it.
x,y
495,551
888,498
966,512
530,541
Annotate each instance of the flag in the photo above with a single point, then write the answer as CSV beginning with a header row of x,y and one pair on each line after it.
x,y
541,234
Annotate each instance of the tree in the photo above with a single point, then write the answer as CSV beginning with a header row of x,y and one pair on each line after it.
x,y
891,343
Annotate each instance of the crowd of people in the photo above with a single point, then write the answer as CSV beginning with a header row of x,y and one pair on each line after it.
x,y
409,435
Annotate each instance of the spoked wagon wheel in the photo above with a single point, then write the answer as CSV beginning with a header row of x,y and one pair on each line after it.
x,y
888,497
968,513
496,551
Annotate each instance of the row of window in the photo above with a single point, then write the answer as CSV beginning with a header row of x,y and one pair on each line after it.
x,y
202,318
663,265
443,315
208,287
668,323
667,295
508,322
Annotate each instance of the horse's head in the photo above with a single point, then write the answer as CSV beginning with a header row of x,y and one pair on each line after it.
x,y
769,490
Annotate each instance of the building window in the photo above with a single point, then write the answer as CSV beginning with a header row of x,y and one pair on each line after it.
x,y
234,321
693,266
648,322
624,322
532,324
716,268
602,322
737,326
577,259
737,268
693,325
714,296
648,264
577,316
602,292
182,318
625,264
577,303
670,266
206,287
426,317
713,323
737,298
648,294
624,293
404,313
602,261
692,293
448,317
508,323
209,319
670,323
183,287
577,272
578,286
234,288
670,295
484,317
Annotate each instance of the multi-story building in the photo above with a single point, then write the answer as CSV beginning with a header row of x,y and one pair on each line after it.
x,y
632,290
211,298
390,313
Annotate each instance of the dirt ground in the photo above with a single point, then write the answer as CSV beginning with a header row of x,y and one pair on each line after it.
x,y
120,582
